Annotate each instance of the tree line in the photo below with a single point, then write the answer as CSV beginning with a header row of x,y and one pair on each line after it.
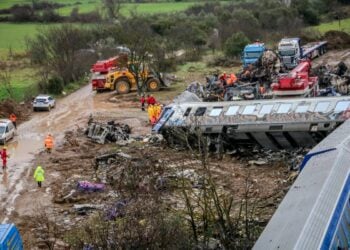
x,y
65,53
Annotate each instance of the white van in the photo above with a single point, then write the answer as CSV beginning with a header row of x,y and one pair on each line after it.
x,y
7,130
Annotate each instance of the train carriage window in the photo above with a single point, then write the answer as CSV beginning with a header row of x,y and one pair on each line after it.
x,y
200,111
341,106
321,107
216,111
284,108
232,110
266,109
303,108
248,110
187,112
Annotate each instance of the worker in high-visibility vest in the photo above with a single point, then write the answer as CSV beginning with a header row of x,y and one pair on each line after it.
x,y
158,111
150,111
13,119
49,143
39,175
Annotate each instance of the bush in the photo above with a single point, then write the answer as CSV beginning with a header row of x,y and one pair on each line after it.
x,y
23,13
89,17
44,5
235,44
54,85
50,16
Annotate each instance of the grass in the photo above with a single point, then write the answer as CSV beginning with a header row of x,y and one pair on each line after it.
x,y
344,26
23,84
13,35
90,5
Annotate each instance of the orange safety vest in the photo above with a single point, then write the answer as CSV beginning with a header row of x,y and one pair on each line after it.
x,y
13,117
49,142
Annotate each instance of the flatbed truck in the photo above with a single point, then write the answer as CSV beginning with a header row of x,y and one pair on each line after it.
x,y
291,52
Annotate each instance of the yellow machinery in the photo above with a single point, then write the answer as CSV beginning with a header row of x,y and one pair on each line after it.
x,y
123,80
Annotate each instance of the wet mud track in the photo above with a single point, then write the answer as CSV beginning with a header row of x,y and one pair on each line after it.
x,y
70,112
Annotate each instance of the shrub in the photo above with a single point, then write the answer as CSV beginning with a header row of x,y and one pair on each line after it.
x,y
50,16
54,85
23,13
235,44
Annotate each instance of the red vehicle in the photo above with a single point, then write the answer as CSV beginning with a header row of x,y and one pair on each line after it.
x,y
297,82
101,68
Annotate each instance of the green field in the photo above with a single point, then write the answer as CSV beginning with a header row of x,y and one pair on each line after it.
x,y
344,26
13,35
90,5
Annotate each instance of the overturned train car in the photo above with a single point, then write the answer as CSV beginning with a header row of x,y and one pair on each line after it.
x,y
273,124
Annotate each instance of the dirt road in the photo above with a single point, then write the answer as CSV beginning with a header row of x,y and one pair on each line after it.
x,y
70,112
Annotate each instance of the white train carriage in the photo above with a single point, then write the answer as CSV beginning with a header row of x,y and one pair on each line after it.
x,y
315,213
274,124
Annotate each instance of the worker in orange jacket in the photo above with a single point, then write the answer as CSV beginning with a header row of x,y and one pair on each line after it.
x,y
13,119
49,143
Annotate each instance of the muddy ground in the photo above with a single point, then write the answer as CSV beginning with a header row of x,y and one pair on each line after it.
x,y
73,160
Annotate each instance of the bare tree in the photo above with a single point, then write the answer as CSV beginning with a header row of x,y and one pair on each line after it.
x,y
112,8
57,49
5,82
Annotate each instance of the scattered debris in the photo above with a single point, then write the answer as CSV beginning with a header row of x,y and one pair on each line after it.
x,y
153,138
83,209
110,132
117,210
89,186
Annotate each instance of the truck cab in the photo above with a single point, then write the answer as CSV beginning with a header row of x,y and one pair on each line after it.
x,y
290,52
252,52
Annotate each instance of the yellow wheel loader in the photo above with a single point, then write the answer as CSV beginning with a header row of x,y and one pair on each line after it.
x,y
123,81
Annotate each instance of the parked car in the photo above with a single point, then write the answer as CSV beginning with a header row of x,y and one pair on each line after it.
x,y
45,102
7,130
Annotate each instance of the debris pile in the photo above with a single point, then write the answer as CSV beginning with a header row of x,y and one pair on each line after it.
x,y
22,110
262,157
334,81
110,132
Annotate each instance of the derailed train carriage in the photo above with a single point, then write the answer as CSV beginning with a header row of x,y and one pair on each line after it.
x,y
273,124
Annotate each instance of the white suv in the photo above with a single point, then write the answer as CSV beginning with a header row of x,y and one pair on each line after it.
x,y
43,102
7,130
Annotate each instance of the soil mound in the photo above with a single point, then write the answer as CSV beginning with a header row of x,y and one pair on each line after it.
x,y
21,110
337,39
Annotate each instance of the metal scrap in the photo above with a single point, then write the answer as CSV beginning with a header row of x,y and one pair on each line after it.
x,y
110,132
83,209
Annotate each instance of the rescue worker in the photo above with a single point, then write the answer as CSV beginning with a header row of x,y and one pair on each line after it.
x,y
143,100
49,143
158,111
151,112
4,155
150,100
39,175
13,119
231,80
223,79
